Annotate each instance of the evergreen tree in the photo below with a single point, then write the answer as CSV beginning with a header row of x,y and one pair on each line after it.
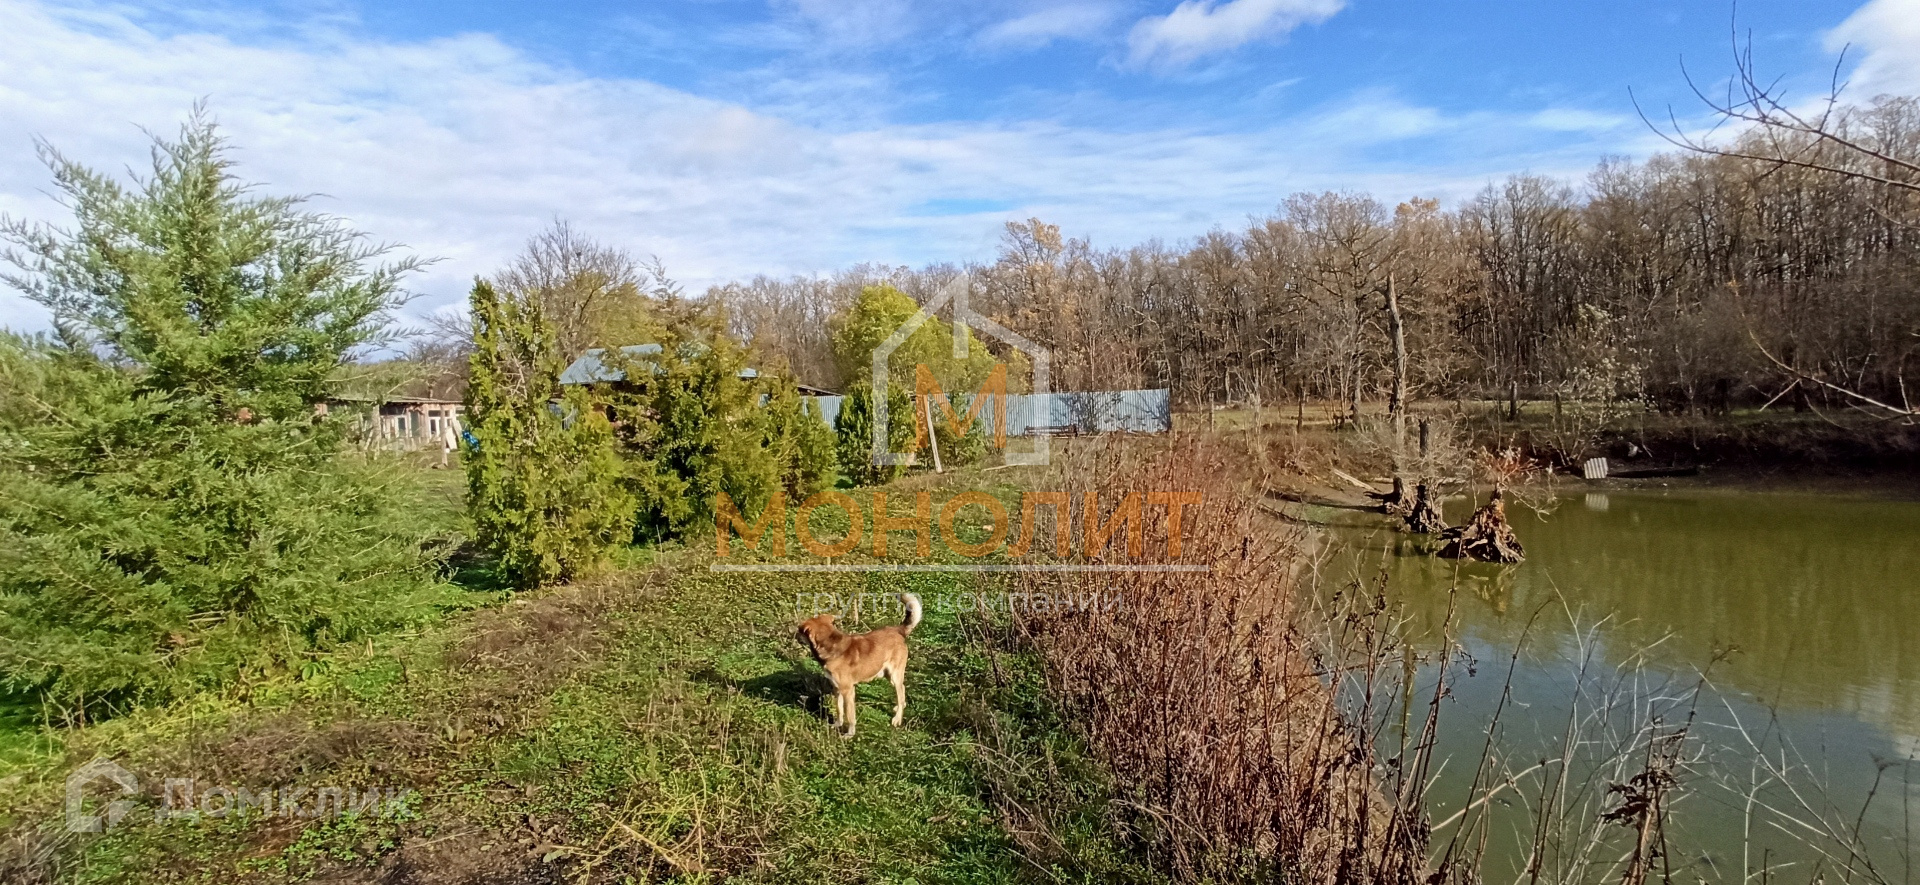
x,y
960,449
814,463
692,427
172,512
801,441
221,298
544,485
853,432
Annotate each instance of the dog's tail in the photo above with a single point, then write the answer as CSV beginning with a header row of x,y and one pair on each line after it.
x,y
912,603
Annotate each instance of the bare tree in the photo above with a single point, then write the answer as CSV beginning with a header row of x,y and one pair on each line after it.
x,y
1772,131
590,292
1879,148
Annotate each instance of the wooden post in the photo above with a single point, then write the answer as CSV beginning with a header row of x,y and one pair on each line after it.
x,y
933,437
1513,400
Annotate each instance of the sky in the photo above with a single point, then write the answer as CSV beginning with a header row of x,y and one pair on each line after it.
x,y
738,137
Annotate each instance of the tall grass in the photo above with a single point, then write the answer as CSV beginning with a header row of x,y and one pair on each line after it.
x,y
1215,712
1257,729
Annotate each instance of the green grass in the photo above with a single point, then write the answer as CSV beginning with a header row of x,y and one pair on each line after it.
x,y
660,723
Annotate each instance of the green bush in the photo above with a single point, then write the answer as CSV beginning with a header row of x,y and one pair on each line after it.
x,y
962,449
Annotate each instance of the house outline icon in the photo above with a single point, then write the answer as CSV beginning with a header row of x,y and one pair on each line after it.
x,y
955,293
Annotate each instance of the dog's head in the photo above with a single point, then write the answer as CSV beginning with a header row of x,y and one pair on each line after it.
x,y
814,632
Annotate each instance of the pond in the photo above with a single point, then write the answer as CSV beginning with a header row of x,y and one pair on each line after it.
x,y
1801,611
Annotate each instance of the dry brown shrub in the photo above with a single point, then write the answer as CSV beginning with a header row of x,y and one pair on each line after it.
x,y
30,855
1209,694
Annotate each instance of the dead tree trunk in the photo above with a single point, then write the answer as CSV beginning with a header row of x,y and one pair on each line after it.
x,y
1398,501
1486,537
1424,516
1397,397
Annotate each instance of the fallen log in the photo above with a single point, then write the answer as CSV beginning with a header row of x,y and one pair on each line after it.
x,y
1485,538
1318,501
1649,472
1357,482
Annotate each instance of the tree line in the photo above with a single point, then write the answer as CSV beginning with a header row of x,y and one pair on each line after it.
x,y
1781,267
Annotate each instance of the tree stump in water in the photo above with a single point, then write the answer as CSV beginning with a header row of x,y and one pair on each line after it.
x,y
1424,517
1486,537
1396,502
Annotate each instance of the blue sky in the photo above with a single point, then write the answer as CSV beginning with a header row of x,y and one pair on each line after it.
x,y
734,137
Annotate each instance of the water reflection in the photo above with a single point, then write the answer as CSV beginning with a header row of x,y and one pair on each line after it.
x,y
1813,600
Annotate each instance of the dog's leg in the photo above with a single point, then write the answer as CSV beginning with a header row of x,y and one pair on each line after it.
x,y
848,717
899,676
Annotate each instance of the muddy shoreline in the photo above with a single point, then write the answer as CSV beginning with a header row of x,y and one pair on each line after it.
x,y
1789,454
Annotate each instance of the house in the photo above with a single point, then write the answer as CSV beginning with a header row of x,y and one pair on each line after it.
x,y
406,423
418,422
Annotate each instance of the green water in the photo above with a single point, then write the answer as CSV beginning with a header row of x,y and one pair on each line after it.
x,y
1803,613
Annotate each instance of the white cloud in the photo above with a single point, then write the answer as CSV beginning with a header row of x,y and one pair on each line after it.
x,y
1373,117
1886,34
854,23
1578,120
461,148
1035,29
1198,28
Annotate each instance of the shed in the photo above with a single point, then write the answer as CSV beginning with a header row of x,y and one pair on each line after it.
x,y
405,422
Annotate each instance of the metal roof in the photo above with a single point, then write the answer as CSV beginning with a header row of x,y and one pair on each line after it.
x,y
591,368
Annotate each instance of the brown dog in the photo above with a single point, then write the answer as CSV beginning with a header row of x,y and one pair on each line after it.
x,y
851,659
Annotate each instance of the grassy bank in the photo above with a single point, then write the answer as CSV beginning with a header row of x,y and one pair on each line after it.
x,y
656,722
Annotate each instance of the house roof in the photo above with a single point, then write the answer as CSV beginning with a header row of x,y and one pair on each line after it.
x,y
592,368
393,400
